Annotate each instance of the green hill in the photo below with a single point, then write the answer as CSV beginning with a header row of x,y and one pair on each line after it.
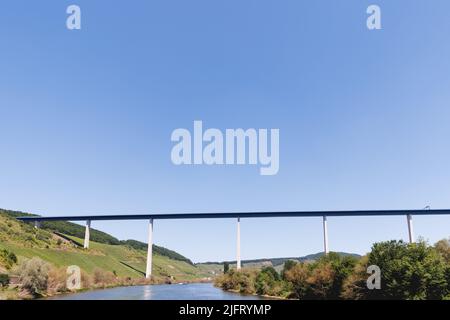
x,y
57,245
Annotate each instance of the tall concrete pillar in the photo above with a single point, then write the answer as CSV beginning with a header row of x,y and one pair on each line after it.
x,y
148,272
410,228
238,245
87,234
325,235
37,224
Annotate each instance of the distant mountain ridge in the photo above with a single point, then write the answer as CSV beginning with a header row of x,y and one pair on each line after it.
x,y
280,261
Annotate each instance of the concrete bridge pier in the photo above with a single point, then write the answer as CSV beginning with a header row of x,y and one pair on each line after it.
x,y
87,234
410,228
325,235
37,224
238,245
148,272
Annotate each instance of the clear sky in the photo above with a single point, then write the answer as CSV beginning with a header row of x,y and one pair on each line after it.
x,y
86,117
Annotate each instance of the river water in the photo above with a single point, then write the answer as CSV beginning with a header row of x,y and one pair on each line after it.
x,y
193,291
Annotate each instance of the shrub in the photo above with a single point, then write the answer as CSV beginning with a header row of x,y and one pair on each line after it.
x,y
320,282
103,278
355,286
288,265
57,280
33,275
242,281
297,276
341,268
226,267
443,248
4,280
268,282
7,258
323,279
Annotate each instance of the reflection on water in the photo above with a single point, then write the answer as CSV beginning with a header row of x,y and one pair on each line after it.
x,y
194,291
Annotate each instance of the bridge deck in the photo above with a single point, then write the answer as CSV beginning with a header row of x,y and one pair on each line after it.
x,y
281,214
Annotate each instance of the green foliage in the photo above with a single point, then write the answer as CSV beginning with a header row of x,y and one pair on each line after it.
x,y
323,279
443,248
76,230
342,267
7,258
137,245
226,267
269,282
288,265
241,281
408,271
4,280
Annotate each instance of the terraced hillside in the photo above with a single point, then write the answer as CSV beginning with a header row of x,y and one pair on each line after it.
x,y
62,250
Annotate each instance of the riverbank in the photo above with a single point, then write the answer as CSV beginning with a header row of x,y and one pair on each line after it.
x,y
14,292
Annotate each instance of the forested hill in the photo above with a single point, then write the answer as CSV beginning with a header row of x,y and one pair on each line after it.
x,y
280,261
76,230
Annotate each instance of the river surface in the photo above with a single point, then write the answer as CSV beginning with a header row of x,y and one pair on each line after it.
x,y
193,291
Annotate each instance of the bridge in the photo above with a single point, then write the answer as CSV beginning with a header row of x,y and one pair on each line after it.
x,y
238,216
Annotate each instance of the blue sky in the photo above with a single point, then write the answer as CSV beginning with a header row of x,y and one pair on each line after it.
x,y
86,117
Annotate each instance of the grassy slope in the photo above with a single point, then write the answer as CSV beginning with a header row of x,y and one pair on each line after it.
x,y
27,242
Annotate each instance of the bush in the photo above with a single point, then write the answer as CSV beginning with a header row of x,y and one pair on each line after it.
x,y
341,268
242,281
103,278
226,267
298,276
33,276
268,282
443,248
57,281
4,280
7,258
288,265
323,279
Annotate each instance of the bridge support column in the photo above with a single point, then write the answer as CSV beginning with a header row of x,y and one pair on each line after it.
x,y
238,245
148,272
325,235
410,228
37,224
87,234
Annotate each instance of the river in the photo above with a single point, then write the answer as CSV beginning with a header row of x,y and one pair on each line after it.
x,y
193,291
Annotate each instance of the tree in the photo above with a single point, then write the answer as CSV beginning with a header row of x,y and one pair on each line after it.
x,y
268,281
297,276
408,272
443,248
226,267
341,268
288,265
